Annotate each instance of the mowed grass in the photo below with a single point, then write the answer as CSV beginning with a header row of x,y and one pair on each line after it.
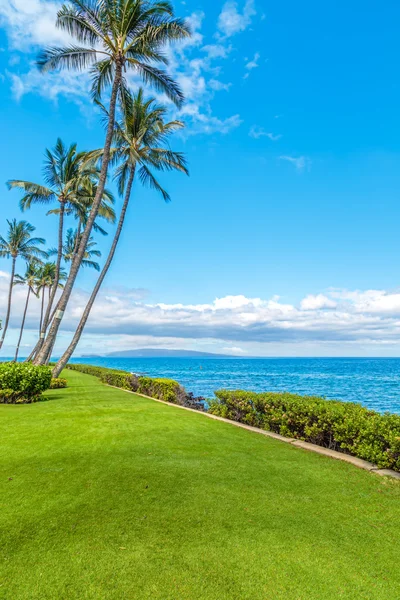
x,y
106,495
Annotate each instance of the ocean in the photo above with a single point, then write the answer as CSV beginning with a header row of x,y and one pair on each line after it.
x,y
373,382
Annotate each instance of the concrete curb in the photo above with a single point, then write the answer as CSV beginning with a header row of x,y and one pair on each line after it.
x,y
353,460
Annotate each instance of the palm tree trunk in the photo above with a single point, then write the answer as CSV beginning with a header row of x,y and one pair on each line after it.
x,y
47,360
76,263
52,294
41,312
77,336
22,325
7,319
78,236
58,264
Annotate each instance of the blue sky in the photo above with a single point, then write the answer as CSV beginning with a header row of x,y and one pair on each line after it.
x,y
293,200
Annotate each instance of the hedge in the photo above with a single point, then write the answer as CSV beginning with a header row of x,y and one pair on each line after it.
x,y
342,426
57,383
167,390
92,369
23,383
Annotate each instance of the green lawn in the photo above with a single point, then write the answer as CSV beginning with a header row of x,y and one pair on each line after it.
x,y
105,495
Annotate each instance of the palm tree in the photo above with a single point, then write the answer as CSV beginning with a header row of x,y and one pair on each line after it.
x,y
18,243
141,144
30,279
114,37
69,249
65,175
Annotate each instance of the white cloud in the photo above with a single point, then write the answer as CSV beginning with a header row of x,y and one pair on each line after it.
x,y
300,162
316,302
218,85
207,123
232,21
258,132
217,50
70,84
235,350
253,64
31,22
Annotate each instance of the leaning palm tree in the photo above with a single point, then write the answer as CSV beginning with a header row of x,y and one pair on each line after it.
x,y
113,37
69,249
30,279
65,175
141,146
18,243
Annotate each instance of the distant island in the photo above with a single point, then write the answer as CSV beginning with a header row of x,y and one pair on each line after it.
x,y
159,353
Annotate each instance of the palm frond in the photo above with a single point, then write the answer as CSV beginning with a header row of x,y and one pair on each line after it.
x,y
70,57
160,80
147,178
102,77
81,23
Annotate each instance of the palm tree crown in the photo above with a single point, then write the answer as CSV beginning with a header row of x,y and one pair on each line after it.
x,y
47,275
81,206
141,140
118,35
64,173
31,276
69,249
19,241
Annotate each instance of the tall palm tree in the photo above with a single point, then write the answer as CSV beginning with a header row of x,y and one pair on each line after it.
x,y
18,243
114,36
30,279
69,249
140,146
65,175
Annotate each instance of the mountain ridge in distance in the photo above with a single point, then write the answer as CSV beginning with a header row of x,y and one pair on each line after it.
x,y
160,353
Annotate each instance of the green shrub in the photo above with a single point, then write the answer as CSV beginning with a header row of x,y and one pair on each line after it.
x,y
22,382
92,369
162,389
118,379
342,426
57,383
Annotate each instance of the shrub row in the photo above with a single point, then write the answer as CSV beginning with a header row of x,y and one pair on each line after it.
x,y
167,390
92,369
22,382
342,426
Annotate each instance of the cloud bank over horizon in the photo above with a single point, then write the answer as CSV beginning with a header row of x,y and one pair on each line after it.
x,y
336,322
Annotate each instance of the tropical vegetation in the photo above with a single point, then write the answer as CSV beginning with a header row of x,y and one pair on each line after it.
x,y
23,383
113,40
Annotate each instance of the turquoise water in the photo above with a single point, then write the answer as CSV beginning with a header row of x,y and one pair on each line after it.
x,y
374,382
